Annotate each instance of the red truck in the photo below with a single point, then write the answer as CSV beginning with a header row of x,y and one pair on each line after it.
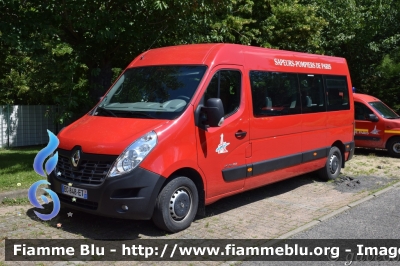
x,y
377,126
185,126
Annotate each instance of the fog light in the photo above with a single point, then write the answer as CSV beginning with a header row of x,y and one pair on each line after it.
x,y
124,207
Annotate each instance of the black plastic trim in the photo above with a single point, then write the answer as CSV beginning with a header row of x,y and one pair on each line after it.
x,y
315,154
258,168
137,190
236,173
373,138
350,147
91,170
249,171
276,164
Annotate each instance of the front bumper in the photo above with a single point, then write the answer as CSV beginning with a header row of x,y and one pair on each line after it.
x,y
136,190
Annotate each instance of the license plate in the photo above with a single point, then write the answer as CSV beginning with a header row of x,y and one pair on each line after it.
x,y
73,191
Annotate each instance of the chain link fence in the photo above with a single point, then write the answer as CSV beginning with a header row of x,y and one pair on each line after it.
x,y
26,125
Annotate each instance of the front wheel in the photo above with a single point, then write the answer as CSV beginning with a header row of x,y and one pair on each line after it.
x,y
394,147
176,205
333,165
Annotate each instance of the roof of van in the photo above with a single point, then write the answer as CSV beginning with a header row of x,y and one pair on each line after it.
x,y
365,97
180,54
221,53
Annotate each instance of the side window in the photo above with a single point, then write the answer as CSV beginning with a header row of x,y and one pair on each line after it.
x,y
337,93
361,112
274,93
312,93
226,85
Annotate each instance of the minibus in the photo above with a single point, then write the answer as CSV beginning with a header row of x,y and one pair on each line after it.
x,y
185,126
377,126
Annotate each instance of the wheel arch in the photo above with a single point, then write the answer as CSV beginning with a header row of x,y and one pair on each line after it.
x,y
393,140
389,139
342,149
195,176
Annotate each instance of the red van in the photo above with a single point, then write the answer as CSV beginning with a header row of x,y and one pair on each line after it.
x,y
377,126
185,126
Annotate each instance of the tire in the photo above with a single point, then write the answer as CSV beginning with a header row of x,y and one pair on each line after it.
x,y
333,165
176,205
393,147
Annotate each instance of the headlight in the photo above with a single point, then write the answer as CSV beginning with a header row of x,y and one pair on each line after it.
x,y
134,154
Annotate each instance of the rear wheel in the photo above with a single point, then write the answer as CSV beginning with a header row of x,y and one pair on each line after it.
x,y
394,147
176,205
333,165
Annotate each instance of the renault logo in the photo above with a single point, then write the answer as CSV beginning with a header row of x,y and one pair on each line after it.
x,y
75,158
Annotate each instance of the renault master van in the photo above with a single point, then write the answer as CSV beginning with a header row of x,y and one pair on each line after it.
x,y
377,126
185,126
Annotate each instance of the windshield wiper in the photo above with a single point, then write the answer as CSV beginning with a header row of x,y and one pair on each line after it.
x,y
140,114
106,110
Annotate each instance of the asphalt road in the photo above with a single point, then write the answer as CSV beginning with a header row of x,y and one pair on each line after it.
x,y
377,218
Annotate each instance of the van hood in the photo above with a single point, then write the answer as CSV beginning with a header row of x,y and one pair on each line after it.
x,y
392,124
105,135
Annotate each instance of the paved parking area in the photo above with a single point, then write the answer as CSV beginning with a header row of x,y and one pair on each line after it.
x,y
264,213
274,211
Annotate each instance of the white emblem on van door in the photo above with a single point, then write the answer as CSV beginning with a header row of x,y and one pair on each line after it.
x,y
222,146
375,131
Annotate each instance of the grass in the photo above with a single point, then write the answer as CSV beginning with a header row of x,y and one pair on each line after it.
x,y
383,187
16,168
14,201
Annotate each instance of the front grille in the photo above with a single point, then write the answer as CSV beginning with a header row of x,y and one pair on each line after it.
x,y
88,171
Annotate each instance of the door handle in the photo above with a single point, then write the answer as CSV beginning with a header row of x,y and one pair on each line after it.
x,y
240,134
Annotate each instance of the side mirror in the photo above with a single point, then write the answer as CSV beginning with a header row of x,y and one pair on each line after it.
x,y
214,111
373,118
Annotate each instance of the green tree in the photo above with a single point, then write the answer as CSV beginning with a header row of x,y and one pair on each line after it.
x,y
386,78
289,25
69,52
383,81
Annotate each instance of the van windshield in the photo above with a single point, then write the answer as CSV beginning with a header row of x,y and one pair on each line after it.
x,y
160,92
383,110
